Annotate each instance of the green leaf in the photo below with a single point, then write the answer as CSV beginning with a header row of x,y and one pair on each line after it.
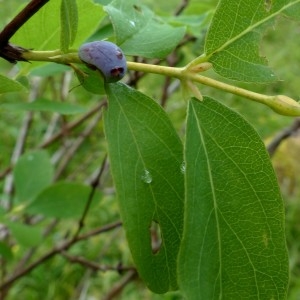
x,y
91,80
43,31
49,69
32,173
63,200
8,85
293,11
146,155
232,42
46,105
195,24
140,32
233,245
27,236
69,23
5,252
196,17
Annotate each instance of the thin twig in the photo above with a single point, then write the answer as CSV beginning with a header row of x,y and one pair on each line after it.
x,y
281,136
81,289
119,286
60,134
73,125
56,250
69,154
172,60
93,265
181,7
94,185
21,140
62,96
28,255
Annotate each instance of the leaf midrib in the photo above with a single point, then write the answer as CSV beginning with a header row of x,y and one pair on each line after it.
x,y
251,28
211,181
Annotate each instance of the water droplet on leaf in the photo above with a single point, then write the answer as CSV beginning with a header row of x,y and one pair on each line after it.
x,y
132,23
147,177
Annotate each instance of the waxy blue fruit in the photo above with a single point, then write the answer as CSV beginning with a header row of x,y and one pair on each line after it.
x,y
106,57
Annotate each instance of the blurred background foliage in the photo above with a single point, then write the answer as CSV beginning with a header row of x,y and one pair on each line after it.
x,y
58,279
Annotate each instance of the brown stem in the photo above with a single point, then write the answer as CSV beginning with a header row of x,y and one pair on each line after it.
x,y
281,136
181,7
56,250
93,265
94,185
72,149
10,52
60,134
19,20
119,286
73,125
172,60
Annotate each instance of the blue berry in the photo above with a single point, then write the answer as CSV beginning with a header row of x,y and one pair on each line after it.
x,y
106,57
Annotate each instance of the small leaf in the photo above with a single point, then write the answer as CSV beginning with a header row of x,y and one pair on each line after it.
x,y
196,18
146,157
5,252
69,23
63,200
32,173
27,236
233,245
139,32
91,80
232,42
8,85
46,105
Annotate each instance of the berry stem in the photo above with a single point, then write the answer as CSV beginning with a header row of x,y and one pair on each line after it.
x,y
279,103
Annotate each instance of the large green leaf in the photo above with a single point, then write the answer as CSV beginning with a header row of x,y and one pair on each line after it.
x,y
63,200
234,242
8,85
139,32
32,173
43,30
232,42
146,155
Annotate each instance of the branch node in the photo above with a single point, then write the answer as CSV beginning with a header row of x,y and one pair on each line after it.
x,y
13,53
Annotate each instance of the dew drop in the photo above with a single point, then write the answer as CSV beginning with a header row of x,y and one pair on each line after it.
x,y
146,177
132,23
182,167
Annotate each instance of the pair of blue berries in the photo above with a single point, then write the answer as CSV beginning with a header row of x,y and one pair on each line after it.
x,y
105,56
